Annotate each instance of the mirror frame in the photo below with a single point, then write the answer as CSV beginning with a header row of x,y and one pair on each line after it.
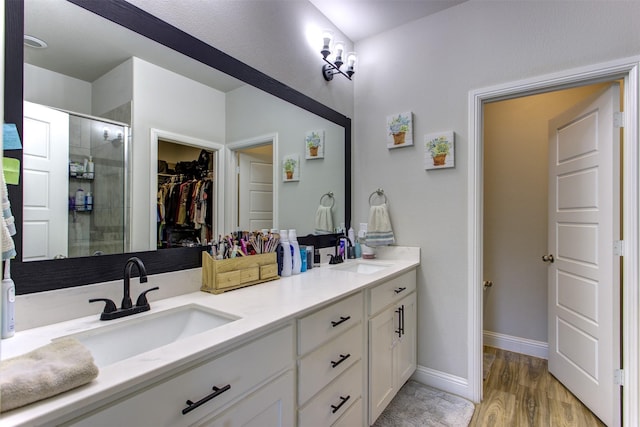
x,y
38,276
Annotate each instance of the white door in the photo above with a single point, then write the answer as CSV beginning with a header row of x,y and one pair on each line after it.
x,y
45,182
584,276
255,188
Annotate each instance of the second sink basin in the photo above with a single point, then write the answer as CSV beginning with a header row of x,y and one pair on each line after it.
x,y
136,335
361,267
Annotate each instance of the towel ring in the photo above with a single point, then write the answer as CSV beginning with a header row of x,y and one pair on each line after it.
x,y
380,193
330,196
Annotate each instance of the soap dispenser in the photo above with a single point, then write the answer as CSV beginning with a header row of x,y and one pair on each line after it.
x,y
287,261
296,258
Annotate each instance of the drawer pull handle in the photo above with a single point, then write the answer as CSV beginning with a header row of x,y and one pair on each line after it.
x,y
342,320
216,391
336,408
397,291
343,357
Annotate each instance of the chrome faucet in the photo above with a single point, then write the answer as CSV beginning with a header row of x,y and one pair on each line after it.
x,y
111,311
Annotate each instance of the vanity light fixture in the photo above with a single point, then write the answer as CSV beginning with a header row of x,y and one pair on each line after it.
x,y
331,68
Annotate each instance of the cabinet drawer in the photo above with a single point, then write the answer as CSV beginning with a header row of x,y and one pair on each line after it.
x,y
329,322
352,417
271,406
391,291
319,368
329,405
161,405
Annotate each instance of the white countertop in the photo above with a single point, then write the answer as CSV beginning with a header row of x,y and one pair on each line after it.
x,y
260,307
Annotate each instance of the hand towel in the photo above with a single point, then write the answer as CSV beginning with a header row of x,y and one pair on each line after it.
x,y
44,372
8,228
379,232
324,220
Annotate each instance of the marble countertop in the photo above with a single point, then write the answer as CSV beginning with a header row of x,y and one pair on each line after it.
x,y
259,308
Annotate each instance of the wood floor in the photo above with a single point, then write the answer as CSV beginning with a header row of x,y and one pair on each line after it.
x,y
520,392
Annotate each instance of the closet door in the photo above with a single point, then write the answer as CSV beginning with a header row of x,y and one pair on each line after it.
x,y
255,188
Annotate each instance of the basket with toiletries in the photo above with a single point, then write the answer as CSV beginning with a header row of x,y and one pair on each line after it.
x,y
238,260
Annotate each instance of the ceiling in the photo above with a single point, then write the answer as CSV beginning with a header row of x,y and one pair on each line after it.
x,y
85,46
359,19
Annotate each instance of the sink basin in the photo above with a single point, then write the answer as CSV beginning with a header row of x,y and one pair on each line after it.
x,y
361,267
136,335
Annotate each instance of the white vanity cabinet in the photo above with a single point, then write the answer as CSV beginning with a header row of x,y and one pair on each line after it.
x,y
330,365
392,314
250,385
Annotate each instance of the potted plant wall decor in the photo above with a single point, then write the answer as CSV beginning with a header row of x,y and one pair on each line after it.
x,y
314,144
290,168
439,150
399,130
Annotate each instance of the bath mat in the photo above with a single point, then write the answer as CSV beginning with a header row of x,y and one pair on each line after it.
x,y
417,405
487,361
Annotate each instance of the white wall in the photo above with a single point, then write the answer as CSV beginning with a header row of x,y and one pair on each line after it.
x,y
515,211
428,67
112,89
252,113
166,101
56,90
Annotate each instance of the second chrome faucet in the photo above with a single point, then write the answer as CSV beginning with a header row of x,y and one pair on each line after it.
x,y
127,308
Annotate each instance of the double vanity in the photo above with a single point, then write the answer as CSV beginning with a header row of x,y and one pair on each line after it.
x,y
329,347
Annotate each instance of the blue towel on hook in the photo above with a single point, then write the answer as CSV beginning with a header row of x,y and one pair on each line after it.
x,y
379,232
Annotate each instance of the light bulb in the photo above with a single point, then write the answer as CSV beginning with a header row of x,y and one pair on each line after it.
x,y
339,48
351,63
327,35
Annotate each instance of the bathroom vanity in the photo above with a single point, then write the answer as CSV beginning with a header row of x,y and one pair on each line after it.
x,y
328,347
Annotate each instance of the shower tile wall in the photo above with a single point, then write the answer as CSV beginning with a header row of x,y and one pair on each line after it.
x,y
102,229
79,222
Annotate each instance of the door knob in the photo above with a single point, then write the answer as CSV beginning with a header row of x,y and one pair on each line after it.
x,y
548,258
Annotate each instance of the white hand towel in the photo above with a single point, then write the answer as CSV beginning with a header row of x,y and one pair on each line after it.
x,y
44,372
324,220
379,232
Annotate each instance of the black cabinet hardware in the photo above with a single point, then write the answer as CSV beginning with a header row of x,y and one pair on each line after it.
x,y
400,330
397,291
343,357
342,320
343,400
216,392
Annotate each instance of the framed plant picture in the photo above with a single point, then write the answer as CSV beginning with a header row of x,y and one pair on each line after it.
x,y
439,150
399,130
291,168
314,144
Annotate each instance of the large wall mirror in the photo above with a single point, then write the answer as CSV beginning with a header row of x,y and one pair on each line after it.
x,y
136,101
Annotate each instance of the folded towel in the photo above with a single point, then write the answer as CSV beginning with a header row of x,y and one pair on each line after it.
x,y
8,227
44,372
324,220
379,232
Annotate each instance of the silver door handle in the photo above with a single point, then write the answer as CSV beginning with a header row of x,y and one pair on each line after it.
x,y
548,258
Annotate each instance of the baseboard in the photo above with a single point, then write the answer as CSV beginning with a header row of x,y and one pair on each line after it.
x,y
442,381
516,344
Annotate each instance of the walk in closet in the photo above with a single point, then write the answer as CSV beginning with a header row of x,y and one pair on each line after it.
x,y
186,195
